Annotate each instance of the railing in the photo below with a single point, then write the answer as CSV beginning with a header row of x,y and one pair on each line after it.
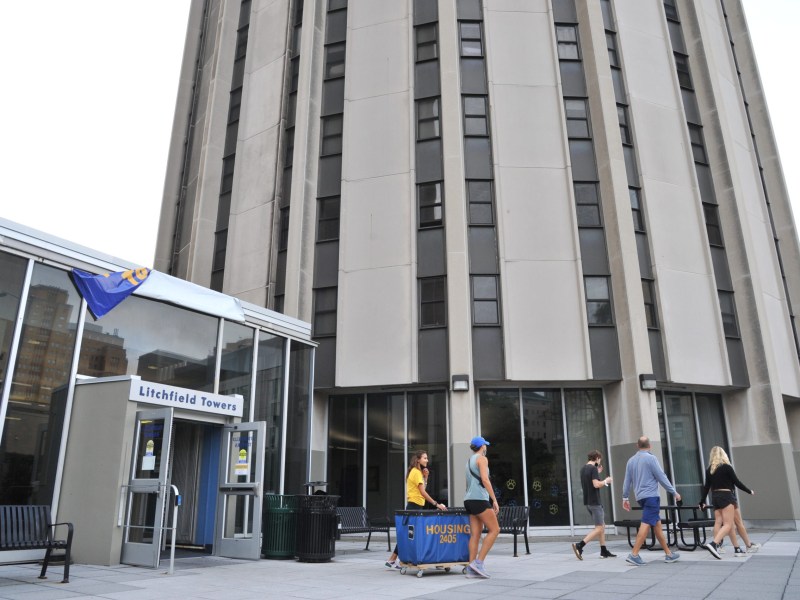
x,y
126,526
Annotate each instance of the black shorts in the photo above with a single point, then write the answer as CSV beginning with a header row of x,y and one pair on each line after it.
x,y
476,507
720,500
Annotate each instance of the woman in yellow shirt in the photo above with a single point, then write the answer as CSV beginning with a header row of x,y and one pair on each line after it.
x,y
415,491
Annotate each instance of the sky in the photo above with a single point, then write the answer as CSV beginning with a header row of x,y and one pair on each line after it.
x,y
89,97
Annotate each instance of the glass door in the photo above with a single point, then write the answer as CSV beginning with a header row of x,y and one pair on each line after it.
x,y
241,481
147,488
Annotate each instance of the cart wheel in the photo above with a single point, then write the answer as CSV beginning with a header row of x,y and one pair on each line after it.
x,y
464,571
447,569
403,571
419,573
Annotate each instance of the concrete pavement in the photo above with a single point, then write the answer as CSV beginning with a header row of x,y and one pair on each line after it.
x,y
550,571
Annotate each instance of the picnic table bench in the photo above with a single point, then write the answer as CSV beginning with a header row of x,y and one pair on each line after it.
x,y
354,519
31,528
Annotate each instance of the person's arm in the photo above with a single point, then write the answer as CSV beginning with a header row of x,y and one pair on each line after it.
x,y
661,477
428,498
706,488
739,484
483,469
626,487
597,482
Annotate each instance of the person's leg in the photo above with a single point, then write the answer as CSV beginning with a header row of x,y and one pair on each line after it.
x,y
659,531
727,522
489,519
475,530
740,528
641,537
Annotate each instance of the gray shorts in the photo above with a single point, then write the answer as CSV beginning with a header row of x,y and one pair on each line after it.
x,y
598,514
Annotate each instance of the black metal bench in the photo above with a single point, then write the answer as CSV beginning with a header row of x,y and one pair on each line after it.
x,y
30,528
354,519
634,524
698,521
514,520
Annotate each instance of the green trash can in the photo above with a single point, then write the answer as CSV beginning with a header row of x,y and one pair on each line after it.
x,y
280,523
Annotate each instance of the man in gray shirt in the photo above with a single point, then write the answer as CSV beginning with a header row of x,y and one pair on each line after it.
x,y
644,473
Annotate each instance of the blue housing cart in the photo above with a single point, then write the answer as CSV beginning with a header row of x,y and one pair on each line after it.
x,y
432,539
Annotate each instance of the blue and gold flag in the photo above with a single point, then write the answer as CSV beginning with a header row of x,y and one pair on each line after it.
x,y
104,292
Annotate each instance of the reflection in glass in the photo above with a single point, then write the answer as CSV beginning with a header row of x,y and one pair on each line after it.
x,y
346,448
297,422
159,342
269,404
427,430
237,516
545,457
149,446
35,414
711,418
586,431
499,425
12,278
236,362
386,462
142,516
683,446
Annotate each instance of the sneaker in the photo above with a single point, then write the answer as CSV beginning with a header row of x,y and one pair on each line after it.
x,y
671,558
478,568
393,565
471,574
753,548
712,547
635,560
607,554
737,551
578,551
721,548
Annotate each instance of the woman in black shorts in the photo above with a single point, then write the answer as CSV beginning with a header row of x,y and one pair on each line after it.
x,y
482,511
720,479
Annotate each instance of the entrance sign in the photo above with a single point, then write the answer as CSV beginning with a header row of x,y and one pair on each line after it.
x,y
175,397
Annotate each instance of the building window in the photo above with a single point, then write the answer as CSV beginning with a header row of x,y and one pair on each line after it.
x,y
636,208
471,39
432,302
485,305
476,119
611,44
698,146
587,205
325,312
577,118
671,9
598,301
283,238
624,126
713,229
428,119
649,304
331,135
429,201
682,67
334,60
427,44
479,197
328,219
567,39
288,148
336,4
727,308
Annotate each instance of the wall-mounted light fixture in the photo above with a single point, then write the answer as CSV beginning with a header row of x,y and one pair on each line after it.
x,y
460,383
647,381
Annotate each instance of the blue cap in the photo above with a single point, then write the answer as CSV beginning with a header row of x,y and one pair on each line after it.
x,y
478,441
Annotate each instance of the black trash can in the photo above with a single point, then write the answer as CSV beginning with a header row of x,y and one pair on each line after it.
x,y
280,525
316,528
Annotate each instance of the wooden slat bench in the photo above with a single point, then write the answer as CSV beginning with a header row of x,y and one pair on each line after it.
x,y
354,519
30,528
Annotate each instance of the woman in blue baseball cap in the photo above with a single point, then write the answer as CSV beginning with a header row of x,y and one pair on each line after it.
x,y
482,507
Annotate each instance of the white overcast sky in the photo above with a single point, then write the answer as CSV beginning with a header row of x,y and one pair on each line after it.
x,y
88,98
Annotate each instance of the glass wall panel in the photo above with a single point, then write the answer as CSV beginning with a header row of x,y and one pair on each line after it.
x,y
500,425
12,278
159,342
297,421
545,456
346,448
386,460
236,365
427,430
683,446
711,418
269,404
586,431
39,386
